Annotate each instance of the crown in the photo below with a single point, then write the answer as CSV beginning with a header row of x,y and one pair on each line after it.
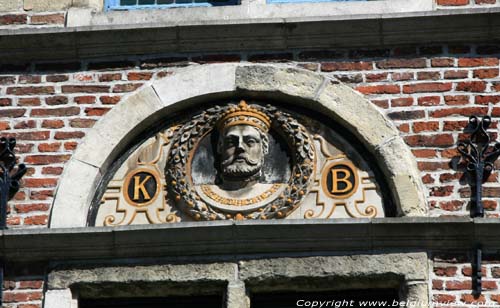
x,y
244,114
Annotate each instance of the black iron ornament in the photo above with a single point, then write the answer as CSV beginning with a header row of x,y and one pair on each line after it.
x,y
9,186
480,157
476,271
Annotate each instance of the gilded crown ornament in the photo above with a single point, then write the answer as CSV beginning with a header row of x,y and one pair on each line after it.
x,y
244,114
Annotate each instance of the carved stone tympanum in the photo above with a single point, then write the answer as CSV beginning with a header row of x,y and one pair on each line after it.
x,y
242,161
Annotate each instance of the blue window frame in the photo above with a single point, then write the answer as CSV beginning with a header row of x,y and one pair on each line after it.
x,y
158,4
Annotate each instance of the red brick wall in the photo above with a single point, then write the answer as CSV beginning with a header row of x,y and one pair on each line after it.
x,y
428,91
23,292
452,283
460,3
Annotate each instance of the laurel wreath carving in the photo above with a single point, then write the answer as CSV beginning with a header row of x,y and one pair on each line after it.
x,y
177,170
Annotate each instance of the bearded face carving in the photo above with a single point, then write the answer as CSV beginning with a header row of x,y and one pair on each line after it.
x,y
242,149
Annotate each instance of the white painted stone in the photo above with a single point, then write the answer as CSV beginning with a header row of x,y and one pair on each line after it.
x,y
10,5
74,195
117,129
195,81
46,5
236,296
78,17
354,112
58,299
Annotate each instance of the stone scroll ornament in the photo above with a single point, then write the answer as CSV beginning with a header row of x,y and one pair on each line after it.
x,y
276,202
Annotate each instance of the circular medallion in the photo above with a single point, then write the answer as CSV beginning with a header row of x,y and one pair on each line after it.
x,y
241,147
141,187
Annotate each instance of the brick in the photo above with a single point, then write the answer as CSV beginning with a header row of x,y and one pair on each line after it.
x,y
425,126
52,124
405,128
443,298
486,1
429,100
401,63
110,100
12,113
6,80
25,124
96,111
471,86
350,78
68,135
13,19
432,165
82,123
41,194
448,271
452,2
24,148
459,285
16,297
4,126
110,77
427,179
38,135
436,140
402,102
406,115
85,89
456,100
40,183
490,205
486,73
427,87
456,74
346,66
84,99
84,77
472,62
4,102
57,78
35,90
217,58
467,111
49,147
13,221
56,100
25,79
376,77
451,206
31,207
380,89
428,75
467,271
47,19
29,101
55,112
487,99
424,153
441,191
495,86
128,87
402,76
36,220
164,62
383,103
70,146
471,299
449,177
30,284
52,170
495,298
46,159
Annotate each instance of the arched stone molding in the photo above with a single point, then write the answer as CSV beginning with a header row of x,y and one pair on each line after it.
x,y
188,86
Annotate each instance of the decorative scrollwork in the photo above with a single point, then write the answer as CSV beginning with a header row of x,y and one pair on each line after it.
x,y
190,134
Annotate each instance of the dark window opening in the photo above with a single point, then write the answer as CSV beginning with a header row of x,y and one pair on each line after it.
x,y
167,302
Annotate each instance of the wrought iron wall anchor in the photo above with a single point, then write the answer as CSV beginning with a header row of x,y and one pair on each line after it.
x,y
476,271
9,186
479,157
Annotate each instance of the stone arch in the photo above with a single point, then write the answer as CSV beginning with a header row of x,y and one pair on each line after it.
x,y
111,135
